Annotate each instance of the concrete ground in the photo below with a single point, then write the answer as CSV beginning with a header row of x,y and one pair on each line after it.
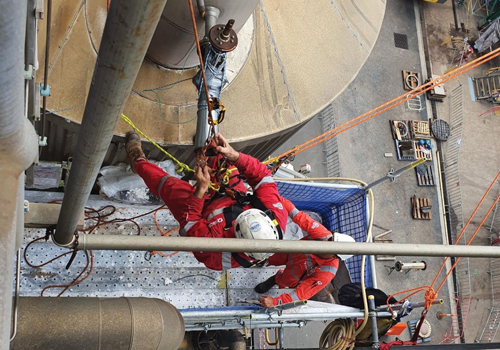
x,y
361,155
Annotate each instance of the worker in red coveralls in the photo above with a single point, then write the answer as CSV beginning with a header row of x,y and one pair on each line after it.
x,y
307,273
260,216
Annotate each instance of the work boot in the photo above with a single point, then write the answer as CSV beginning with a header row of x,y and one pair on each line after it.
x,y
133,148
266,285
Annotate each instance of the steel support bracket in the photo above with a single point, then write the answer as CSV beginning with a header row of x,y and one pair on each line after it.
x,y
45,91
42,142
391,175
39,6
30,73
71,245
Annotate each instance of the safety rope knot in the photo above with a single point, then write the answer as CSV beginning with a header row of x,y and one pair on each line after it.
x,y
430,296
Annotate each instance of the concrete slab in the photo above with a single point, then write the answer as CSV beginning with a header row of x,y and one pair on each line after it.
x,y
478,158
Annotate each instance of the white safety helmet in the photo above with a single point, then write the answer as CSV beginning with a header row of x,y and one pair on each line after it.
x,y
341,237
255,224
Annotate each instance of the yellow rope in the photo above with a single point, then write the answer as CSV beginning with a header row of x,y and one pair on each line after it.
x,y
180,166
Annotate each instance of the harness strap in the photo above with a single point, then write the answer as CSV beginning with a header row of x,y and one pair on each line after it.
x,y
230,214
242,261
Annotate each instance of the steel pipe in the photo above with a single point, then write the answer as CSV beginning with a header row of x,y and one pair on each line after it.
x,y
7,249
18,146
211,16
98,323
149,243
405,266
251,325
219,314
315,316
13,27
20,212
128,31
215,65
373,319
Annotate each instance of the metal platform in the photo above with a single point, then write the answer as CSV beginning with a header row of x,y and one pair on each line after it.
x,y
179,279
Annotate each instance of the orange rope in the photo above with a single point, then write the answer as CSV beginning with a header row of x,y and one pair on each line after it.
x,y
466,225
163,233
414,290
200,56
431,294
470,240
391,104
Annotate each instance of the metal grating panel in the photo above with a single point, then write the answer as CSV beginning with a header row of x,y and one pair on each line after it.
x,y
180,279
454,210
492,323
401,41
62,137
331,147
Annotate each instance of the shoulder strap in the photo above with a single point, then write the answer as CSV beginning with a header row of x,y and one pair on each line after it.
x,y
230,214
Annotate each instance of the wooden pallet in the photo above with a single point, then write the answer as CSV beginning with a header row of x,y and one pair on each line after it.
x,y
426,179
414,83
416,206
421,154
396,133
420,129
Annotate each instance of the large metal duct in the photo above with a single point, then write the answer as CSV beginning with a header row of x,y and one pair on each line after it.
x,y
98,323
128,31
18,146
293,58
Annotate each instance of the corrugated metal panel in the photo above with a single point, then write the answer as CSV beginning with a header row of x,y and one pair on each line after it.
x,y
62,137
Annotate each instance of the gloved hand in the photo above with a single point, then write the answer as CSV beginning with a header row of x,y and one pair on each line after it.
x,y
287,204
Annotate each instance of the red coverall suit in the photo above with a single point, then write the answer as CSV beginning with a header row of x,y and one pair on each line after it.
x,y
203,218
307,273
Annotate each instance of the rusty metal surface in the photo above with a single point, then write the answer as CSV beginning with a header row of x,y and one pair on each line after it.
x,y
223,38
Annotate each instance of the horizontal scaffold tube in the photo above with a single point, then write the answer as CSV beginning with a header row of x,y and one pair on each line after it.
x,y
147,243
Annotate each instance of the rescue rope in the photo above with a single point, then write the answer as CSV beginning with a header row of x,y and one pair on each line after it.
x,y
388,105
430,293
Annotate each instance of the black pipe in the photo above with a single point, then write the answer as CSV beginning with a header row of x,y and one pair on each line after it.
x,y
455,19
46,66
